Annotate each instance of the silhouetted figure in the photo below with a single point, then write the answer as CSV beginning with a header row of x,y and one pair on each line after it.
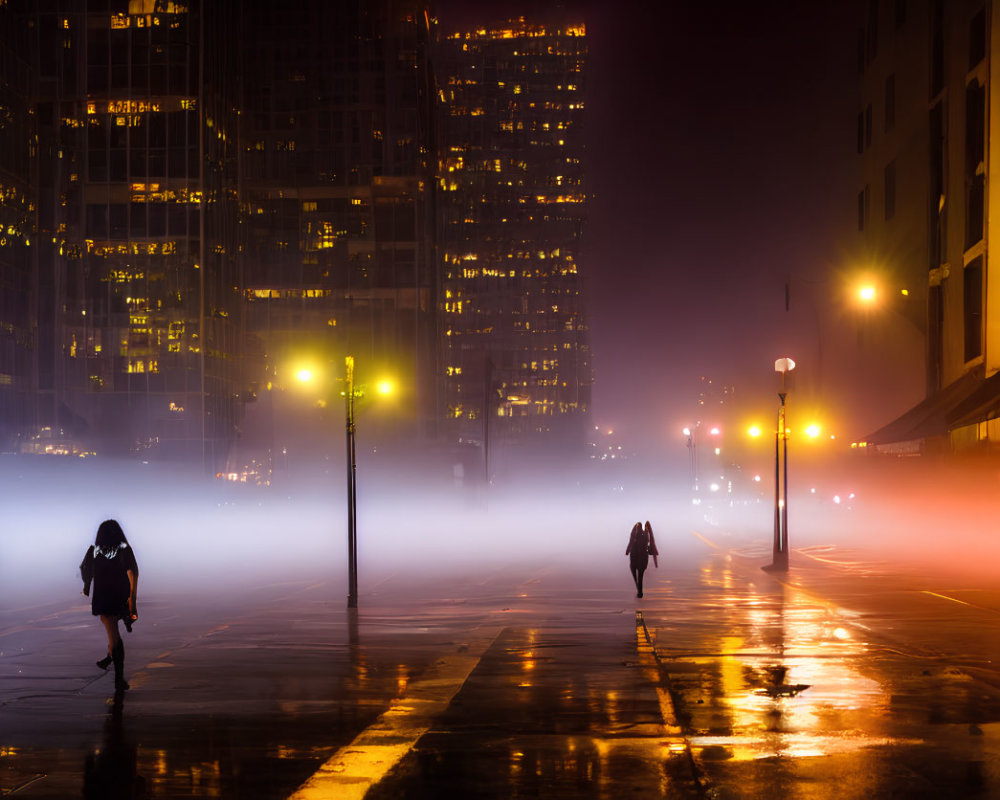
x,y
111,772
641,546
110,565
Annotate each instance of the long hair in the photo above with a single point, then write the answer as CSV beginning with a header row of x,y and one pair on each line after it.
x,y
637,528
110,535
649,528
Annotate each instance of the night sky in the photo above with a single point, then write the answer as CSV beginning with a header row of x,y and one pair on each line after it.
x,y
722,166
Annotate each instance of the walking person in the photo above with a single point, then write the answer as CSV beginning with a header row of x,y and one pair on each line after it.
x,y
110,565
640,547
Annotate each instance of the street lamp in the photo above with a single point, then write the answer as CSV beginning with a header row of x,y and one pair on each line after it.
x,y
352,490
351,392
779,558
385,388
867,294
692,457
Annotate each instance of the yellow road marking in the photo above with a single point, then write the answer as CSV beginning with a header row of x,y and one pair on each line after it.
x,y
709,542
960,602
651,667
350,772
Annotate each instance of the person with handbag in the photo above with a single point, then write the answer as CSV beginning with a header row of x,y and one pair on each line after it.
x,y
641,546
111,567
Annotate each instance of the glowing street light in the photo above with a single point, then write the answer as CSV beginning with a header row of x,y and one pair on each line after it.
x,y
753,431
812,431
351,392
867,294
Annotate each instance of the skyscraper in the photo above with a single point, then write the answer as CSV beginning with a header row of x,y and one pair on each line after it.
x,y
18,245
139,315
338,184
516,358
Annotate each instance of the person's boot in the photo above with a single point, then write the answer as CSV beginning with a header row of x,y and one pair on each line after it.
x,y
118,655
105,662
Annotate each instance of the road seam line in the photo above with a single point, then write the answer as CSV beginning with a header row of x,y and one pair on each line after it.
x,y
350,772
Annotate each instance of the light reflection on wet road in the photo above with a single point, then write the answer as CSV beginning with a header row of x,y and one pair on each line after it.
x,y
781,691
847,680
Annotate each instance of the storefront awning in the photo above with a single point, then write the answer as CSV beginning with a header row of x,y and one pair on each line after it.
x,y
934,416
981,405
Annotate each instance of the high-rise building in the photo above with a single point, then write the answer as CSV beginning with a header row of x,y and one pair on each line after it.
x,y
515,352
338,174
18,245
140,320
924,136
195,193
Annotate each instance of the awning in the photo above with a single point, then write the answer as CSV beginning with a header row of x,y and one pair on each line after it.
x,y
981,405
934,416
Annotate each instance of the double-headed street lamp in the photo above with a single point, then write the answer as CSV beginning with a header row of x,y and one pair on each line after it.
x,y
351,392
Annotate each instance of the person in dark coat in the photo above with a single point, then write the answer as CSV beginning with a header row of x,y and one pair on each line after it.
x,y
641,546
111,567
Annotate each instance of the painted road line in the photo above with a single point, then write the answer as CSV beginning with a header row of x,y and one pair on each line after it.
x,y
651,667
960,602
709,542
655,672
850,565
350,772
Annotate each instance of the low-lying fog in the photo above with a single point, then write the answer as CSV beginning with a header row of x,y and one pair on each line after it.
x,y
420,517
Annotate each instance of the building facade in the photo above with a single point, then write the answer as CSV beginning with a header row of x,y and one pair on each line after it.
x,y
515,350
140,323
194,194
338,183
18,244
929,84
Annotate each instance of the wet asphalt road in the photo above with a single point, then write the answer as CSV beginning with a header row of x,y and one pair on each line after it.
x,y
847,679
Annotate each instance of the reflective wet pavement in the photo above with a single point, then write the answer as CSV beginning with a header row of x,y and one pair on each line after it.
x,y
847,679
782,689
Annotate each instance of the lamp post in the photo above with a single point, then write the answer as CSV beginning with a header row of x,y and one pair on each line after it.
x,y
352,495
351,393
779,557
692,457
